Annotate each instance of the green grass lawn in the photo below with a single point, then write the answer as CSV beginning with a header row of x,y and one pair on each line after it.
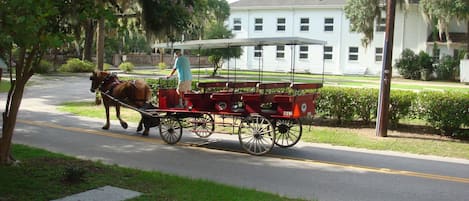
x,y
334,136
42,175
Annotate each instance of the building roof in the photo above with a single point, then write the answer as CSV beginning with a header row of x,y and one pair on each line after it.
x,y
256,4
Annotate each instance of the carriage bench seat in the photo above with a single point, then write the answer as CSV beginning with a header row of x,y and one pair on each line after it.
x,y
300,86
205,85
237,85
226,102
296,106
199,101
274,85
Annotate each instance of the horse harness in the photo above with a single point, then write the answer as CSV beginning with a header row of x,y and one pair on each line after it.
x,y
112,81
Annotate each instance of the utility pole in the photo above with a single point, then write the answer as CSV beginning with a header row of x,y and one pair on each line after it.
x,y
386,74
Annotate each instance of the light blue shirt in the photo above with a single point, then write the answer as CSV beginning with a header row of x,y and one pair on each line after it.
x,y
182,65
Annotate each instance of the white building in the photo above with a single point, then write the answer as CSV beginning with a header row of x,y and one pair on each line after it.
x,y
325,20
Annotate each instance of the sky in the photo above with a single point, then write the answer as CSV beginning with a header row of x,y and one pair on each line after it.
x,y
231,1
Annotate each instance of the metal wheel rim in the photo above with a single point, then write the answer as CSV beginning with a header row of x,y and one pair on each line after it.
x,y
287,132
204,125
170,130
256,135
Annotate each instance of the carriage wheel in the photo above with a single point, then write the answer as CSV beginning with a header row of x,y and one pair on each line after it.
x,y
170,130
287,132
203,125
256,135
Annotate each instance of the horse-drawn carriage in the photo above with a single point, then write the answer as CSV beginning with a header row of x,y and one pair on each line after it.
x,y
263,114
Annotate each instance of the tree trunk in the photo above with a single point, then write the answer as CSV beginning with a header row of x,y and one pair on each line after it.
x,y
89,36
467,39
9,122
15,96
100,42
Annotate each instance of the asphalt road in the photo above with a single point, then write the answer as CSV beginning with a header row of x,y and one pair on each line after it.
x,y
309,171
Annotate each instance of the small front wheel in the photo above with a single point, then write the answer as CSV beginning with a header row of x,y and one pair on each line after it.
x,y
287,132
170,130
256,135
203,125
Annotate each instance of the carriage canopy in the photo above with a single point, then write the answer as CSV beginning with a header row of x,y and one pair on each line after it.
x,y
238,42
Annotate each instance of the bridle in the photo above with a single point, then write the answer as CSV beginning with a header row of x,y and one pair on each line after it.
x,y
105,81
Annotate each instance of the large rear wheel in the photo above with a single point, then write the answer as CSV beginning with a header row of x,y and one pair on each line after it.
x,y
170,130
287,132
256,135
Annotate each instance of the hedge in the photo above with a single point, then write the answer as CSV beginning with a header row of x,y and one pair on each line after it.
x,y
446,111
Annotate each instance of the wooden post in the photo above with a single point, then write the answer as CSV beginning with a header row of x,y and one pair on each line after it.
x,y
386,74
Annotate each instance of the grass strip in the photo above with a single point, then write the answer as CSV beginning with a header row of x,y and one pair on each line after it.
x,y
42,175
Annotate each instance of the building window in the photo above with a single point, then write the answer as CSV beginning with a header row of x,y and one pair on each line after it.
x,y
379,54
304,24
237,24
328,24
303,52
353,53
281,24
381,25
258,51
258,24
280,51
328,52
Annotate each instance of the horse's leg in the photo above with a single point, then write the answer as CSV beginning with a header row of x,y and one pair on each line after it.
x,y
146,131
140,125
106,108
118,114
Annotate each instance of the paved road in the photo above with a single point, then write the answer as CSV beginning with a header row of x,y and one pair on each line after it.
x,y
309,171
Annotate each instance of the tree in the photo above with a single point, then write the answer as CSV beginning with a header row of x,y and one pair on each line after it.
x,y
362,15
216,56
31,34
166,19
443,12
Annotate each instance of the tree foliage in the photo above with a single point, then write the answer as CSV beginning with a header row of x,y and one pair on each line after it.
x,y
445,11
166,19
31,28
362,15
216,56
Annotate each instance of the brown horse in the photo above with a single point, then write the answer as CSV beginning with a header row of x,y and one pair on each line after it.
x,y
136,93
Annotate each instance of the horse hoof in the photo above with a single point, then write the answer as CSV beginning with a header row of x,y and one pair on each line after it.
x,y
145,133
105,127
124,125
139,128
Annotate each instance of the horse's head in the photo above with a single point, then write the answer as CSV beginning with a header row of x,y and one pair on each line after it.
x,y
97,78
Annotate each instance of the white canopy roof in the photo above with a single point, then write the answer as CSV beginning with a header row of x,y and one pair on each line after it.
x,y
237,42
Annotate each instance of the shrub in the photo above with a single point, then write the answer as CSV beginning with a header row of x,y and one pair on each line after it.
x,y
126,66
44,67
336,103
366,104
400,103
447,68
407,65
73,174
106,66
425,64
77,65
447,111
162,65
